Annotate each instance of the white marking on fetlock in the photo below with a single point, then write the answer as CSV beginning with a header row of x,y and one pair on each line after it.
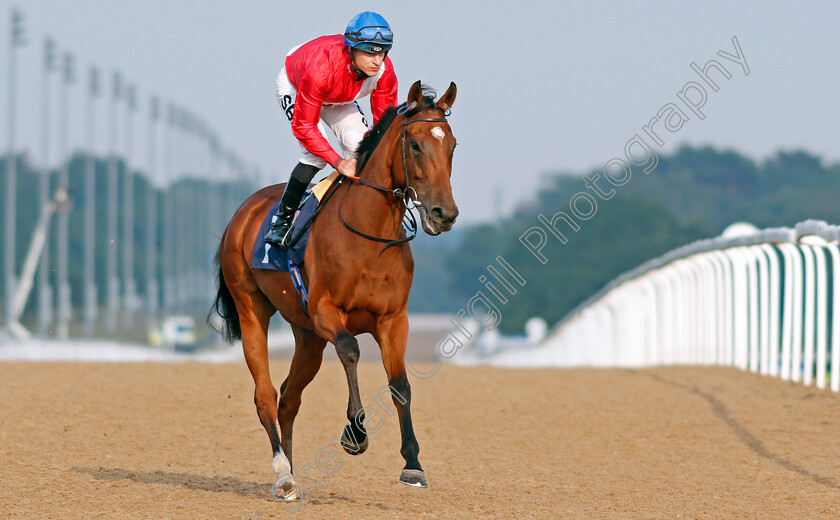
x,y
280,464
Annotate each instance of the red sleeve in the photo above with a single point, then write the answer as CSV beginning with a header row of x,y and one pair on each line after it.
x,y
307,115
385,95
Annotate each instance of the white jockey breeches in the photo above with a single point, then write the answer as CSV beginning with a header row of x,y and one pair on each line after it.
x,y
346,120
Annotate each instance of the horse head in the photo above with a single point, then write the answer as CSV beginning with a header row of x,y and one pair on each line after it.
x,y
427,146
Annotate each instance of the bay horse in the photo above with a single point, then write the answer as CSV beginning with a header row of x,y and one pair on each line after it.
x,y
356,283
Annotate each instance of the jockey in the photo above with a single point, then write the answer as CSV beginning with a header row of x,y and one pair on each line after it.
x,y
320,84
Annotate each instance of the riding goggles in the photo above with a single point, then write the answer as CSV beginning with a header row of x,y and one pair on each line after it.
x,y
372,34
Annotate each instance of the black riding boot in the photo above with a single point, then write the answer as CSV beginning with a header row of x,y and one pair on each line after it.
x,y
285,213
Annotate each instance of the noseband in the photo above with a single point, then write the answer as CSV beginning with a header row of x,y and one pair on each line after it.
x,y
407,194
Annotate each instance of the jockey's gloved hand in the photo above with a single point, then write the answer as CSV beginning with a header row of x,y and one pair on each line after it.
x,y
347,167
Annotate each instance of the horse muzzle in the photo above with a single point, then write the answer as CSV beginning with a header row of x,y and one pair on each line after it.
x,y
439,220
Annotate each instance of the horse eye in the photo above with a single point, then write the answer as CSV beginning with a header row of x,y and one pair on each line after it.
x,y
415,146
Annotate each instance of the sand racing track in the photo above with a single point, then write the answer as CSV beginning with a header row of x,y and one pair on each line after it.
x,y
157,440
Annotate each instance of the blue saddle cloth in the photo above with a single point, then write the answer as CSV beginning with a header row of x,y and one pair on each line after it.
x,y
267,256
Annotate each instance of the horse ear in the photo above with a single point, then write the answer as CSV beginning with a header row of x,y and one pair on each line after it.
x,y
415,93
448,98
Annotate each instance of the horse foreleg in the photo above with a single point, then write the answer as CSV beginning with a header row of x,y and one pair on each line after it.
x,y
392,336
354,438
329,324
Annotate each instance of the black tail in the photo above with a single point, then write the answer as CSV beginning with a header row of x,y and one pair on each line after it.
x,y
225,307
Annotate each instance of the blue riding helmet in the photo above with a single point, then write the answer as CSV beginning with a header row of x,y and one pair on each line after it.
x,y
368,31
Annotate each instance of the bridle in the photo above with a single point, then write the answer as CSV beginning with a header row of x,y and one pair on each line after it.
x,y
407,194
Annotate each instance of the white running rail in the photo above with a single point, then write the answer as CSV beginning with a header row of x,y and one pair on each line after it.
x,y
764,301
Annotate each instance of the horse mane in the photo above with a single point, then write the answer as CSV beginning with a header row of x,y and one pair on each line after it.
x,y
374,136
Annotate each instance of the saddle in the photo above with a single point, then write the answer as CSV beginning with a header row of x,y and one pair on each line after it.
x,y
272,258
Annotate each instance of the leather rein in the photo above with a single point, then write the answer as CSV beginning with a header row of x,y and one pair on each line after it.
x,y
406,194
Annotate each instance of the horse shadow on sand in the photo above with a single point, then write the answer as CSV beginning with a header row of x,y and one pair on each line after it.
x,y
217,484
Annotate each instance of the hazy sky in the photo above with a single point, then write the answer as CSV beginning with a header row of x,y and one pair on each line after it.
x,y
542,86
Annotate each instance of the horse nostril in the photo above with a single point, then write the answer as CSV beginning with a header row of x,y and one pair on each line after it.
x,y
439,213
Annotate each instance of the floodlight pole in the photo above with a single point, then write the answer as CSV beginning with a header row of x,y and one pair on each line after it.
x,y
217,214
168,226
129,284
90,207
45,297
201,210
113,195
16,40
178,202
152,286
64,309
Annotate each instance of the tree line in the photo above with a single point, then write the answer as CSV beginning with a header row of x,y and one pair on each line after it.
x,y
694,193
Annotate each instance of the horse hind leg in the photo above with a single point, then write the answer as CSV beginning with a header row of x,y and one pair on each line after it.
x,y
309,352
254,321
354,438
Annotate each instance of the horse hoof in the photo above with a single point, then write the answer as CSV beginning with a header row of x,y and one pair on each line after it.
x,y
289,496
413,478
284,490
348,442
